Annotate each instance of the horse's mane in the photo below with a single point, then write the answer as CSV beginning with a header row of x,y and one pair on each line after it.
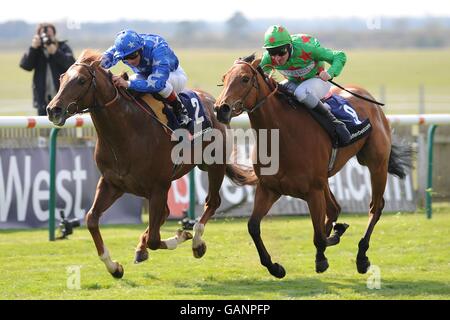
x,y
287,97
249,58
89,55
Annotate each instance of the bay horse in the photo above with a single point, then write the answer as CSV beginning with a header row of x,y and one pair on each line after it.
x,y
304,153
133,154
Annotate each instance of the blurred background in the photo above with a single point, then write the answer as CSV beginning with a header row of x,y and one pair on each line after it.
x,y
399,52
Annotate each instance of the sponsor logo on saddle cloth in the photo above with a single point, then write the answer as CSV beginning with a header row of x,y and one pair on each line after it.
x,y
200,124
343,111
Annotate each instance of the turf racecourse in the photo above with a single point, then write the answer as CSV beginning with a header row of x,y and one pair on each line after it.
x,y
410,251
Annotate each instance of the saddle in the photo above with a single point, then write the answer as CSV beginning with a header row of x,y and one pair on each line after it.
x,y
165,114
341,109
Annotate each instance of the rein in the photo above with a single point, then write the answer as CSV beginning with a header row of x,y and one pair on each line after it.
x,y
93,84
254,85
149,112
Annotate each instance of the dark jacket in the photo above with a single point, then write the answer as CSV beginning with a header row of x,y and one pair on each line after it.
x,y
36,59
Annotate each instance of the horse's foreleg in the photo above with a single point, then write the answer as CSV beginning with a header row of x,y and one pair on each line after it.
x,y
317,207
215,178
264,199
105,196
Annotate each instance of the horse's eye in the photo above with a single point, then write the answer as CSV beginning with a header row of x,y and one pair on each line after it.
x,y
245,79
81,81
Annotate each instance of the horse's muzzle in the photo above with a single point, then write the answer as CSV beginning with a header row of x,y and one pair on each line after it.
x,y
56,115
224,113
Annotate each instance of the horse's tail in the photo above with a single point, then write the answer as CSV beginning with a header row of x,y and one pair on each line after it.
x,y
241,175
400,160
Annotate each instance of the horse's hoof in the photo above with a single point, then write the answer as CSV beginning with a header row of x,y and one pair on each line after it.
x,y
322,265
362,264
199,251
340,228
333,240
186,235
118,274
277,271
140,256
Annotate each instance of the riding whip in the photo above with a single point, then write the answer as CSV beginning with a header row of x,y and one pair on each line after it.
x,y
355,94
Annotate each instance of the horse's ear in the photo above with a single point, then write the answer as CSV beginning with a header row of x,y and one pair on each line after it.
x,y
256,62
96,63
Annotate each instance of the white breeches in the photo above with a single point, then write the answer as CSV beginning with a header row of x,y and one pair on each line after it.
x,y
176,82
309,91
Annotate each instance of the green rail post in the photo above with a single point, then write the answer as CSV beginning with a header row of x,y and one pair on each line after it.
x,y
429,190
191,212
52,200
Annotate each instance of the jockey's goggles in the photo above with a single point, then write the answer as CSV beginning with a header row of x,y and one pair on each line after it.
x,y
277,51
131,56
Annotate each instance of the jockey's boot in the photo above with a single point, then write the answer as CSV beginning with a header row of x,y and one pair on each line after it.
x,y
334,125
179,110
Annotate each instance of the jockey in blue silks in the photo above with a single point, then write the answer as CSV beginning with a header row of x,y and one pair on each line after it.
x,y
156,67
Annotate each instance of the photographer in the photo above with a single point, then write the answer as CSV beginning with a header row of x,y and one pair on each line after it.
x,y
49,58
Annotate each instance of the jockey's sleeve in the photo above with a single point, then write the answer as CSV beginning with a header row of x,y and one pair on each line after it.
x,y
336,59
266,63
108,60
156,81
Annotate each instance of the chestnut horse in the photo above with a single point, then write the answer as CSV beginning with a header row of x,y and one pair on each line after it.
x,y
305,151
133,154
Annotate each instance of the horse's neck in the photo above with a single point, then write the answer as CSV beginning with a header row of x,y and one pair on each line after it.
x,y
274,115
266,115
112,121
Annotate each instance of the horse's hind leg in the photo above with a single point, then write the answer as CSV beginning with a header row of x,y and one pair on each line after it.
x,y
215,177
105,196
141,253
378,176
264,199
317,209
332,213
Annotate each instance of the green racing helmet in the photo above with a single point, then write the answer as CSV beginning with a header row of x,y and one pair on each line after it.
x,y
276,36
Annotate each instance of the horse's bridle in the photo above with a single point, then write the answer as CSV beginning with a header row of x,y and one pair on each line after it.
x,y
255,85
92,84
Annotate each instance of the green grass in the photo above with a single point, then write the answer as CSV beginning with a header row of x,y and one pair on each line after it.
x,y
401,72
411,252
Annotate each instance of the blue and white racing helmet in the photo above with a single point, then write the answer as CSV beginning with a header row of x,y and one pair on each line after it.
x,y
127,42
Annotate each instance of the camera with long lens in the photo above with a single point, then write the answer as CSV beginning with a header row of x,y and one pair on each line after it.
x,y
66,226
45,38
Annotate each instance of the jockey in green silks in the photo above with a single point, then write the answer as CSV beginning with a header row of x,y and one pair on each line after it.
x,y
301,60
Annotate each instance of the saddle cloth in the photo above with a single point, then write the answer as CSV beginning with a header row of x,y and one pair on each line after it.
x,y
200,122
343,111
